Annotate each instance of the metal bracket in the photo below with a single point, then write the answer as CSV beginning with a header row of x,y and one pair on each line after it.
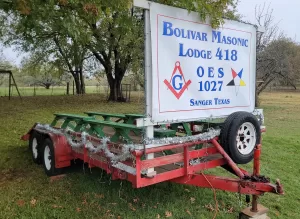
x,y
142,4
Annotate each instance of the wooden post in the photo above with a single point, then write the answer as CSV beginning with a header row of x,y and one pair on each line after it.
x,y
73,88
15,84
9,86
129,91
68,88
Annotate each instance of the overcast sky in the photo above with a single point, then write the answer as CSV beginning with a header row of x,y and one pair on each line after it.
x,y
286,12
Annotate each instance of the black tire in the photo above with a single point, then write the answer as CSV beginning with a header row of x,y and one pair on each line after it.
x,y
225,131
247,145
49,158
35,147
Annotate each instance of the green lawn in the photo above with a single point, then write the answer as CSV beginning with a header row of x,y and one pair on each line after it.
x,y
26,192
53,91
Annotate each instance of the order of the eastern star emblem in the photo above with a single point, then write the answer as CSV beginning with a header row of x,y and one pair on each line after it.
x,y
237,80
177,83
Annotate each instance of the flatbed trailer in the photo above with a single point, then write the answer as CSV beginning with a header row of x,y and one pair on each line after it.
x,y
185,165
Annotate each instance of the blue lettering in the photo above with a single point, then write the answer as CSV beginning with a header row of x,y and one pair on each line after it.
x,y
211,72
216,36
200,71
228,40
234,41
177,32
167,30
180,84
181,50
197,53
203,54
192,102
198,36
221,73
190,52
221,101
193,34
209,55
204,36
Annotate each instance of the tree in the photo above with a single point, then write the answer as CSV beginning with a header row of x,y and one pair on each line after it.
x,y
279,62
35,27
40,72
4,65
277,56
118,35
264,18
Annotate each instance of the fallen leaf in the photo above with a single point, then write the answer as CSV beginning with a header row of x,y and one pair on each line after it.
x,y
223,204
119,217
154,206
131,207
187,211
168,214
84,202
99,196
187,190
112,203
56,206
78,209
158,216
135,200
209,207
192,200
230,210
56,178
33,202
21,203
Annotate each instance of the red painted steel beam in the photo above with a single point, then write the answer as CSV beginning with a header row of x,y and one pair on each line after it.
x,y
206,165
230,162
161,161
227,184
166,176
178,157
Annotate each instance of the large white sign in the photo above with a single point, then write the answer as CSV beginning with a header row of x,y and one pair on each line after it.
x,y
199,72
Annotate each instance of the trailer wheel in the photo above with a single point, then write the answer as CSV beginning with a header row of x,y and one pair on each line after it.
x,y
49,158
35,147
225,131
243,135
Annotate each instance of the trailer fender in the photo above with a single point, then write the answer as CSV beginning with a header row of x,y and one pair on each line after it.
x,y
62,150
27,135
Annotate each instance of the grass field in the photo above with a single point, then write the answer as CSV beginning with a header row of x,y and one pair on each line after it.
x,y
26,192
53,91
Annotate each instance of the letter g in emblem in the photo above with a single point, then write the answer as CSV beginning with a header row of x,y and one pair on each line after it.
x,y
174,82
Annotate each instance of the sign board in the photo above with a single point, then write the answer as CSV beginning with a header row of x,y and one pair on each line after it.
x,y
199,72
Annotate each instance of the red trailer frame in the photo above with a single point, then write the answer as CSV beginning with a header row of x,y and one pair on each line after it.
x,y
189,174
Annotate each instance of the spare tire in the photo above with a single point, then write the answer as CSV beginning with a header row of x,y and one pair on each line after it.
x,y
225,131
243,135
